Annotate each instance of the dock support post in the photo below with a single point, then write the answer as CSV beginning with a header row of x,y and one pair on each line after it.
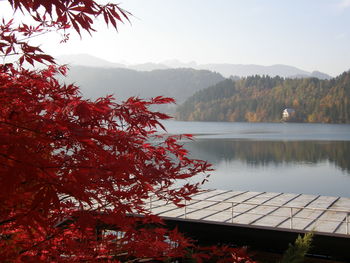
x,y
347,223
291,218
231,212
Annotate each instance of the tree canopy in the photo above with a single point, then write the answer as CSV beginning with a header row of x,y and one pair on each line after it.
x,y
75,174
262,99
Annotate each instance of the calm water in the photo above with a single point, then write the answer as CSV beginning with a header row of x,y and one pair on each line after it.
x,y
276,157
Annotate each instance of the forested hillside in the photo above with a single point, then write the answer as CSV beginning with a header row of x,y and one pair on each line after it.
x,y
262,99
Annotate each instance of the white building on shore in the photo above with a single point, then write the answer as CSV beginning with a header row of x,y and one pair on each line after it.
x,y
288,113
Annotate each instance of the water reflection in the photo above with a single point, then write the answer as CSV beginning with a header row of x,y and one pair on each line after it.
x,y
266,153
272,157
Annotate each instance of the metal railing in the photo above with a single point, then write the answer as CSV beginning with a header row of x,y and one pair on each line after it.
x,y
293,214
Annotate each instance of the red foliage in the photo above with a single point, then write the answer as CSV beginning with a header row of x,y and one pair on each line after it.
x,y
70,167
63,157
221,254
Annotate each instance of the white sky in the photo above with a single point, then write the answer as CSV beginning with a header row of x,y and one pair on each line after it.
x,y
309,34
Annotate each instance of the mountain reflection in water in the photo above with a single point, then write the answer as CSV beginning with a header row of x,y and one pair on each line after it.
x,y
308,167
272,157
263,153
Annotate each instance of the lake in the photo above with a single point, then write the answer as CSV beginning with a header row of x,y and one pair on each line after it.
x,y
272,157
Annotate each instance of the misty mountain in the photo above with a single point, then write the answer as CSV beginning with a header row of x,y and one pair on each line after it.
x,y
95,82
227,70
251,70
147,66
92,61
87,60
174,63
314,74
320,75
240,70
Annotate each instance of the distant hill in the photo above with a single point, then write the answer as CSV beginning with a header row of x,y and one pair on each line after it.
x,y
314,74
262,99
92,61
242,70
147,66
177,83
320,75
251,70
227,70
87,60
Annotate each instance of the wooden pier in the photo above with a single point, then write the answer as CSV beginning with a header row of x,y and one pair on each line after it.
x,y
323,214
262,220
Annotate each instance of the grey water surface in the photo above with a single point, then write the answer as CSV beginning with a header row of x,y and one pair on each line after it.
x,y
272,157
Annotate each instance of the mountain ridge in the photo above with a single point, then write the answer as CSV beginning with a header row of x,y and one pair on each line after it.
x,y
225,69
95,82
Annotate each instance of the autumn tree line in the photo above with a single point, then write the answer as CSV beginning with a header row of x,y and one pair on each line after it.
x,y
263,99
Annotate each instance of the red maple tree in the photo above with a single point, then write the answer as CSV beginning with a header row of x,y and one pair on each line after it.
x,y
70,168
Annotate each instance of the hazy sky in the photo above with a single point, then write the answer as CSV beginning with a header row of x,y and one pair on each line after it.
x,y
309,34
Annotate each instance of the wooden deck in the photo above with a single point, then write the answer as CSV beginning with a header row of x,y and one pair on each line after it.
x,y
293,212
